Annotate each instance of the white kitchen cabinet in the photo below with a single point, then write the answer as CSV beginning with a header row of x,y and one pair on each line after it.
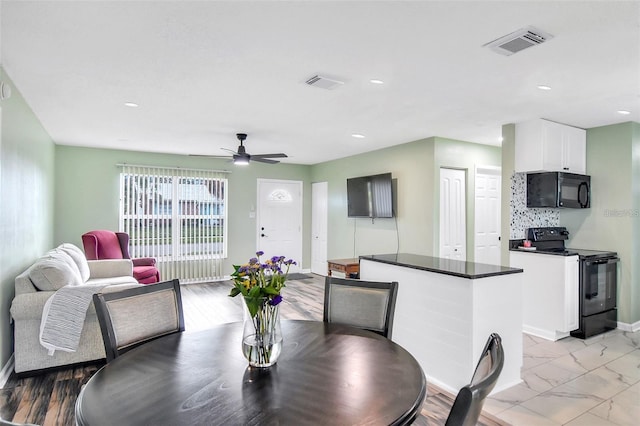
x,y
543,145
549,293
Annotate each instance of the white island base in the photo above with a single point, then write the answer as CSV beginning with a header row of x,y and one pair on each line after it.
x,y
444,321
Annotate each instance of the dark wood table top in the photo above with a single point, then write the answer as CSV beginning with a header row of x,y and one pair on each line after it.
x,y
326,374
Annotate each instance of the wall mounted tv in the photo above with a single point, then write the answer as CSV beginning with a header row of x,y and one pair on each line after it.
x,y
370,196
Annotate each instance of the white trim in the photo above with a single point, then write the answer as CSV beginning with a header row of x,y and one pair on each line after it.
x,y
7,370
545,334
629,327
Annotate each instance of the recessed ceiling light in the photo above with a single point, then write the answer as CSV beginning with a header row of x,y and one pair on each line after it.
x,y
357,136
131,104
624,112
543,87
376,81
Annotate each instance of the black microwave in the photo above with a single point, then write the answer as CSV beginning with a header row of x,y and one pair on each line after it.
x,y
558,189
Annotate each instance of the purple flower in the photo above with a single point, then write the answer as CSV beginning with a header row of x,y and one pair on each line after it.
x,y
290,262
276,299
253,261
275,259
259,253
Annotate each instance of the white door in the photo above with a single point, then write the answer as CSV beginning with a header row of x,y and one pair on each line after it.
x,y
487,215
280,219
319,219
453,229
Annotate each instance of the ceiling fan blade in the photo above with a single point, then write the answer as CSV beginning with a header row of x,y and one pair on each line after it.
x,y
209,156
229,150
279,155
263,160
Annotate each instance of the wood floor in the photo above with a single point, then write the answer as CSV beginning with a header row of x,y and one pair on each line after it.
x,y
49,398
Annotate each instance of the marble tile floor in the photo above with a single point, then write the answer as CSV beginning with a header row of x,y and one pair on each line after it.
x,y
594,382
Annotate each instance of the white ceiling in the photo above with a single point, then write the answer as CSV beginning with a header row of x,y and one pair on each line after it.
x,y
202,71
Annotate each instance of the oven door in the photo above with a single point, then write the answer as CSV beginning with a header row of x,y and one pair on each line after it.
x,y
574,191
598,282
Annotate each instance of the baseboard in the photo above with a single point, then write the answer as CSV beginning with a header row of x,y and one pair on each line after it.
x,y
629,327
6,371
545,334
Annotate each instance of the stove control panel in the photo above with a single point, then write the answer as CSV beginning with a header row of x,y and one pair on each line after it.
x,y
556,233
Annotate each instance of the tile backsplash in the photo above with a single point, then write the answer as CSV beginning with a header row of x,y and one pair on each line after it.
x,y
523,218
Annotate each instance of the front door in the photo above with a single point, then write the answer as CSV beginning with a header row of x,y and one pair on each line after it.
x,y
453,229
279,219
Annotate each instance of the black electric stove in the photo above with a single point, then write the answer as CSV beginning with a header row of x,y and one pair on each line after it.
x,y
598,279
551,240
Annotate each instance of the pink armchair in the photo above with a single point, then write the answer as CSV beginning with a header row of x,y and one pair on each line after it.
x,y
115,245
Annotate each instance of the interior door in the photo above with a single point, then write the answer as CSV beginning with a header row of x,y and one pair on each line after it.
x,y
487,215
453,228
319,219
279,219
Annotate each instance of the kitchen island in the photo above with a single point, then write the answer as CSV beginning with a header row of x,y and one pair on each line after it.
x,y
446,309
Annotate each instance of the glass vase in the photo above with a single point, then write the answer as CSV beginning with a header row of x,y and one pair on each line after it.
x,y
262,335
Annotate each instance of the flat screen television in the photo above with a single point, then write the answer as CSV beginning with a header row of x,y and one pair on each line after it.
x,y
370,196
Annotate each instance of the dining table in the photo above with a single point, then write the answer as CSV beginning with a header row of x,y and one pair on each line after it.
x,y
327,373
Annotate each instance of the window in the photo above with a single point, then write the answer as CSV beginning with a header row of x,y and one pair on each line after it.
x,y
177,216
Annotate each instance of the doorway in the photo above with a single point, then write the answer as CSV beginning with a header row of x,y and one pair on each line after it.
x,y
279,220
487,215
453,228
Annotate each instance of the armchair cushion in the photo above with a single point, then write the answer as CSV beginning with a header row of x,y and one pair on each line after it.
x,y
101,244
144,261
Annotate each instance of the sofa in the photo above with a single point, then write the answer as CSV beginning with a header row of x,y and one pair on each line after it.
x,y
62,266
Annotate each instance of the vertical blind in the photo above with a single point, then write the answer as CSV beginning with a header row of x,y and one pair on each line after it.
x,y
178,217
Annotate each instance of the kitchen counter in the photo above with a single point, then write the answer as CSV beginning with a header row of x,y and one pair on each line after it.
x,y
549,293
457,268
446,309
548,253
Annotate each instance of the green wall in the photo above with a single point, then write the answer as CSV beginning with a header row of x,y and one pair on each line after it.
x,y
415,167
26,194
87,194
508,168
613,221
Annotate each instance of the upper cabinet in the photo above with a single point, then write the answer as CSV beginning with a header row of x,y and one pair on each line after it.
x,y
543,145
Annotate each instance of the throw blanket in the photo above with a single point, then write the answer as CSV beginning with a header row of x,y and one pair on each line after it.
x,y
63,317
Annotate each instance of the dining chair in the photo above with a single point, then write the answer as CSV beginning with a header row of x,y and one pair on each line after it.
x,y
468,404
137,315
364,304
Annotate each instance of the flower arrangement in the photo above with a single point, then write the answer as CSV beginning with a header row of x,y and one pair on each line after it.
x,y
258,281
260,285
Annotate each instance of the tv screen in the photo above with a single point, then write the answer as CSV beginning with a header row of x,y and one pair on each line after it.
x,y
370,196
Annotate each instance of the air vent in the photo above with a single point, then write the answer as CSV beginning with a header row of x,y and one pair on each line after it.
x,y
518,40
323,82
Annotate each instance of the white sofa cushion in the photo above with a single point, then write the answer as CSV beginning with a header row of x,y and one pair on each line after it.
x,y
79,258
54,271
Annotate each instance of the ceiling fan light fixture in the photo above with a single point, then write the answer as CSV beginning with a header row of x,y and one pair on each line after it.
x,y
241,161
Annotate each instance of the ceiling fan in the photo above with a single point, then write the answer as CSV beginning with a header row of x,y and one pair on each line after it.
x,y
242,157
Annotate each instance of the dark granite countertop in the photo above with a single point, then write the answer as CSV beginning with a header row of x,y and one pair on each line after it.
x,y
458,268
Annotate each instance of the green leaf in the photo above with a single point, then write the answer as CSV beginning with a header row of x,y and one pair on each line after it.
x,y
253,304
234,292
254,292
271,290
